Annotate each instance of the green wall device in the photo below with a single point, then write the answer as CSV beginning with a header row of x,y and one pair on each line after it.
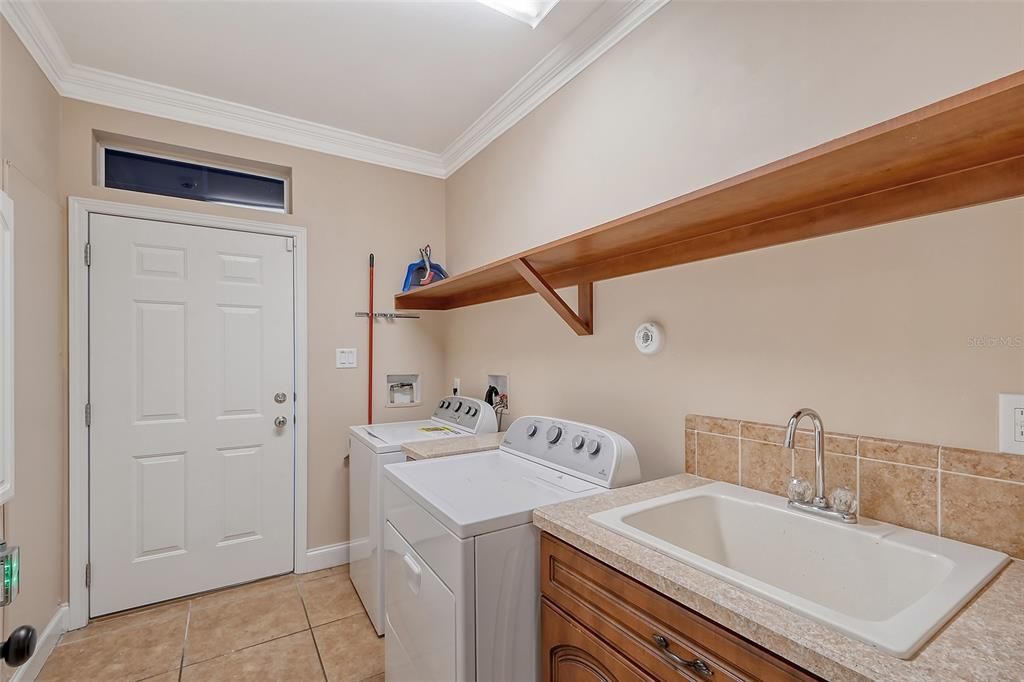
x,y
11,571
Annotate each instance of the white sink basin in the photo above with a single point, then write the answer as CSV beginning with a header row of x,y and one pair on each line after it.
x,y
882,584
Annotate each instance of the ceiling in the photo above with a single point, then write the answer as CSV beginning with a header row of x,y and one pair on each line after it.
x,y
421,85
415,73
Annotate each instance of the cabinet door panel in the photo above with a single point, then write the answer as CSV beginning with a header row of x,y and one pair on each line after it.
x,y
571,654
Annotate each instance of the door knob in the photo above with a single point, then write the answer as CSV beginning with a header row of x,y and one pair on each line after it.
x,y
19,647
281,422
280,397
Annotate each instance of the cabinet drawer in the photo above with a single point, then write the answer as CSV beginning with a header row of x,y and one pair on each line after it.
x,y
631,616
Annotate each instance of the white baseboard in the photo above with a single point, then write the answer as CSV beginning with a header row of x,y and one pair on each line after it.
x,y
44,646
327,556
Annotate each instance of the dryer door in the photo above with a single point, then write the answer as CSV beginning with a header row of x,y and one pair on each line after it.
x,y
420,627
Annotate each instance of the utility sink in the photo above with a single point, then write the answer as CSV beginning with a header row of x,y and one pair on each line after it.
x,y
888,586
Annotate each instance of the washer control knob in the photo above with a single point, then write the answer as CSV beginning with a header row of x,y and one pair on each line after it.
x,y
441,404
458,406
472,411
577,442
531,430
554,433
593,447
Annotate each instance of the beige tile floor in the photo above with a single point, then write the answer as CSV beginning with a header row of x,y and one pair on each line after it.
x,y
292,628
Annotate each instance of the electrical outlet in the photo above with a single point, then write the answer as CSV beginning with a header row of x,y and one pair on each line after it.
x,y
1011,423
345,358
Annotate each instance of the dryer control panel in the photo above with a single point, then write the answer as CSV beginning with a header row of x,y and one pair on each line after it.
x,y
583,450
470,414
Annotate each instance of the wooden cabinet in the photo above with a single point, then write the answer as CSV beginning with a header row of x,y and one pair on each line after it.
x,y
600,625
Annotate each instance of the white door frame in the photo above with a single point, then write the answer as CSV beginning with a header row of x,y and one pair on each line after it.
x,y
78,376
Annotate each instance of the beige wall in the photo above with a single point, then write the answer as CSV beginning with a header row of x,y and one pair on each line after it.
x,y
348,209
870,327
35,518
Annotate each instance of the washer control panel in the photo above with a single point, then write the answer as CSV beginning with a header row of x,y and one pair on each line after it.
x,y
583,450
471,414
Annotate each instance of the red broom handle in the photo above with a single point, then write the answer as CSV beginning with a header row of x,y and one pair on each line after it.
x,y
369,387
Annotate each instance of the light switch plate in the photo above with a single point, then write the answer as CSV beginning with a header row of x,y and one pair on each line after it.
x,y
1011,423
345,358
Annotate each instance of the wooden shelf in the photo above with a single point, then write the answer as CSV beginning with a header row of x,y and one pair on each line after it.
x,y
961,151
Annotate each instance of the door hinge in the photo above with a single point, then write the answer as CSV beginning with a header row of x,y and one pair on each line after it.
x,y
289,244
88,415
88,574
88,254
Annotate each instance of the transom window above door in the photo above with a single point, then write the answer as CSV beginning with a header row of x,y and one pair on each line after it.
x,y
154,168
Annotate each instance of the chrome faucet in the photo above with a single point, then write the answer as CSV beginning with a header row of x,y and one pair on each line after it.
x,y
844,507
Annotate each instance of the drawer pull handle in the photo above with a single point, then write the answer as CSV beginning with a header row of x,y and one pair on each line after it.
x,y
696,664
412,574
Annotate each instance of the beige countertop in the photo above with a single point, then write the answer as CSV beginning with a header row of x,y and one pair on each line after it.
x,y
444,447
985,641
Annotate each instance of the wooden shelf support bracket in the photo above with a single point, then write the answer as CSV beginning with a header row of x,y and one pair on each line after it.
x,y
581,322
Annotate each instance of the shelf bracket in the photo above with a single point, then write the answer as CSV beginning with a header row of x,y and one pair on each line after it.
x,y
582,322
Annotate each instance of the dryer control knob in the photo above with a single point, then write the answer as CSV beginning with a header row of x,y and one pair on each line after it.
x,y
577,442
593,447
554,433
531,430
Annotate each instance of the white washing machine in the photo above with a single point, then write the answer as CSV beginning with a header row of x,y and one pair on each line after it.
x,y
370,448
461,554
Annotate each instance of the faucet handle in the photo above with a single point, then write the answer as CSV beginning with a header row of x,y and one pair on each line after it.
x,y
843,500
799,490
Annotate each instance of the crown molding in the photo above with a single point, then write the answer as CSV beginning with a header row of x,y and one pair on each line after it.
x,y
37,34
609,24
102,87
595,36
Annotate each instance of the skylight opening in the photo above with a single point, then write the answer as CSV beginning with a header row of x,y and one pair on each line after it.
x,y
530,12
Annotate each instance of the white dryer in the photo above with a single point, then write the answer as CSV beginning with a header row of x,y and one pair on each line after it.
x,y
461,555
370,448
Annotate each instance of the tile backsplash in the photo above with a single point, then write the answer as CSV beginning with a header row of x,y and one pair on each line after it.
x,y
968,495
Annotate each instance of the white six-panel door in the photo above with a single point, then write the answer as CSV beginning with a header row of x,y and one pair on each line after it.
x,y
190,480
